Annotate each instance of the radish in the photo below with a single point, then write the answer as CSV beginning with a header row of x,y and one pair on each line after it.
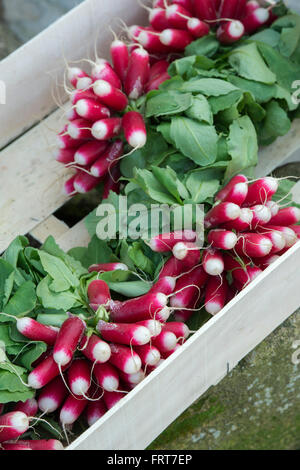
x,y
243,8
243,222
180,329
107,160
289,234
172,268
155,83
138,73
110,96
16,446
88,153
150,40
1,408
79,377
84,183
158,69
124,333
223,193
13,425
177,16
287,216
65,141
188,288
188,253
187,4
42,444
261,191
242,274
134,129
106,129
35,331
71,114
95,349
140,308
215,294
74,74
29,407
176,39
166,241
112,182
72,409
153,326
52,396
231,32
120,58
108,267
104,71
64,156
277,239
98,294
84,83
68,187
69,336
213,263
256,20
222,239
205,10
253,245
158,19
167,354
112,398
95,411
80,129
164,342
132,379
91,110
78,95
46,371
221,213
165,285
124,359
261,215
264,263
148,354
197,27
296,229
229,9
107,377
274,207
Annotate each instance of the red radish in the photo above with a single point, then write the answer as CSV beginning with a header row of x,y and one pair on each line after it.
x,y
107,267
160,3
52,396
43,373
80,129
256,20
166,241
120,58
155,84
69,336
218,4
164,342
230,32
72,409
112,182
188,288
153,326
242,274
84,83
223,193
180,329
158,19
79,377
134,129
251,6
35,331
106,129
213,263
104,71
64,156
138,74
112,398
274,207
124,333
158,69
222,239
84,182
134,31
215,294
167,354
150,40
188,253
69,188
82,95
187,4
91,110
124,359
149,369
243,8
65,141
107,160
243,222
177,16
95,411
229,9
1,408
29,407
88,153
95,349
42,444
253,245
264,263
176,39
261,191
107,377
132,379
165,285
110,96
289,234
148,354
172,268
13,425
198,28
287,216
277,239
141,308
16,446
221,213
296,229
98,294
205,9
71,114
261,215
74,74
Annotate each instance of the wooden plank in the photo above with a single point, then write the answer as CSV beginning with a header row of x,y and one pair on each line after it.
x,y
30,73
202,362
76,236
51,226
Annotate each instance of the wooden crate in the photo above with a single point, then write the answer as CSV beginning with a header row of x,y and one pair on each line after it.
x,y
30,192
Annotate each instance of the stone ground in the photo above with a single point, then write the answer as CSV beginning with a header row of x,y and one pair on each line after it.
x,y
257,406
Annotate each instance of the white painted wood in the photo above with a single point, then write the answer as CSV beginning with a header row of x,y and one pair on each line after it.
x,y
202,362
51,226
76,236
30,73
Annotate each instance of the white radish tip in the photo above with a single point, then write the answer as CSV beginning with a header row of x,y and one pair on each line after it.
x,y
180,251
143,38
61,358
171,10
137,139
33,381
102,88
67,417
164,314
79,158
272,183
241,188
58,445
274,207
47,405
213,307
154,12
133,364
83,83
214,267
154,327
233,211
73,72
99,131
142,335
296,212
23,324
166,37
73,131
110,384
290,237
263,213
141,52
193,23
121,267
171,281
20,421
153,357
136,378
262,15
169,341
162,299
80,386
246,216
236,29
230,240
102,352
278,240
265,246
82,107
